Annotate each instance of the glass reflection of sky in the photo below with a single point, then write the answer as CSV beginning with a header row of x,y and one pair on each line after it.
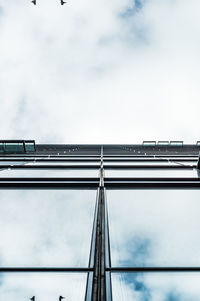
x,y
47,173
44,286
152,173
12,163
85,164
156,286
154,227
46,227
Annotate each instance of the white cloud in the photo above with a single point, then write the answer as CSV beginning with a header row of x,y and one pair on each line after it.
x,y
84,73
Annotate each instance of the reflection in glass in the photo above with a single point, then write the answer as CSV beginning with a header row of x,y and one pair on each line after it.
x,y
156,286
86,164
154,227
44,286
48,173
46,227
164,163
151,173
12,162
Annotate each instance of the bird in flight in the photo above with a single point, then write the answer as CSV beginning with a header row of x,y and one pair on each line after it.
x,y
61,297
34,2
33,298
62,2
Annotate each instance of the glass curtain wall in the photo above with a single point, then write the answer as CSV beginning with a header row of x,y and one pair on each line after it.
x,y
99,223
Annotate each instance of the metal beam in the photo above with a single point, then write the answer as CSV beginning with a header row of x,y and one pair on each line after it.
x,y
152,269
44,269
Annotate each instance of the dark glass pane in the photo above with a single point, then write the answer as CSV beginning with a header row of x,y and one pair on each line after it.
x,y
46,227
29,147
156,286
151,173
45,173
1,147
14,147
154,227
44,286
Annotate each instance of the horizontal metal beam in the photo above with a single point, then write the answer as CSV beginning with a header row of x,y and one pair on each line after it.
x,y
86,270
152,185
74,159
115,184
48,185
152,269
44,269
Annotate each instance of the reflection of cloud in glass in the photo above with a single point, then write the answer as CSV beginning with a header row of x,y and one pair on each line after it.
x,y
59,173
134,7
45,286
46,227
156,286
139,249
154,227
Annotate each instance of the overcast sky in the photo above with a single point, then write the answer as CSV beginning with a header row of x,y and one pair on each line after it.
x,y
118,71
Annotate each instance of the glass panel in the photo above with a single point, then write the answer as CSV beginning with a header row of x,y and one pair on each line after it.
x,y
1,147
163,142
150,157
176,143
152,173
29,147
156,286
86,164
12,162
46,228
162,163
14,147
44,286
17,158
149,143
45,173
154,227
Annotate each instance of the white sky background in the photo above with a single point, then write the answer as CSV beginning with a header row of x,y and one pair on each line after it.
x,y
100,71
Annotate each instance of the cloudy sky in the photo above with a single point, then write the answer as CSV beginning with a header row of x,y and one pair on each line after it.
x,y
118,71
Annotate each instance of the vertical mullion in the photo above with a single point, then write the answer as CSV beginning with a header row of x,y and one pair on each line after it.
x,y
88,295
107,253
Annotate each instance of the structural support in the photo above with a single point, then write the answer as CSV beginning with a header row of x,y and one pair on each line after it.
x,y
98,284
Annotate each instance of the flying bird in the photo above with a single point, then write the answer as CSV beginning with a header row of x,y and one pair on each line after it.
x,y
34,2
61,297
33,298
62,2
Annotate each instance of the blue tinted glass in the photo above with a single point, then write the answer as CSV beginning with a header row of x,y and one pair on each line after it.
x,y
154,227
29,147
156,286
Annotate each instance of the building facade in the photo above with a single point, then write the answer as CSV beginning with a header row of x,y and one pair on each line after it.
x,y
99,222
